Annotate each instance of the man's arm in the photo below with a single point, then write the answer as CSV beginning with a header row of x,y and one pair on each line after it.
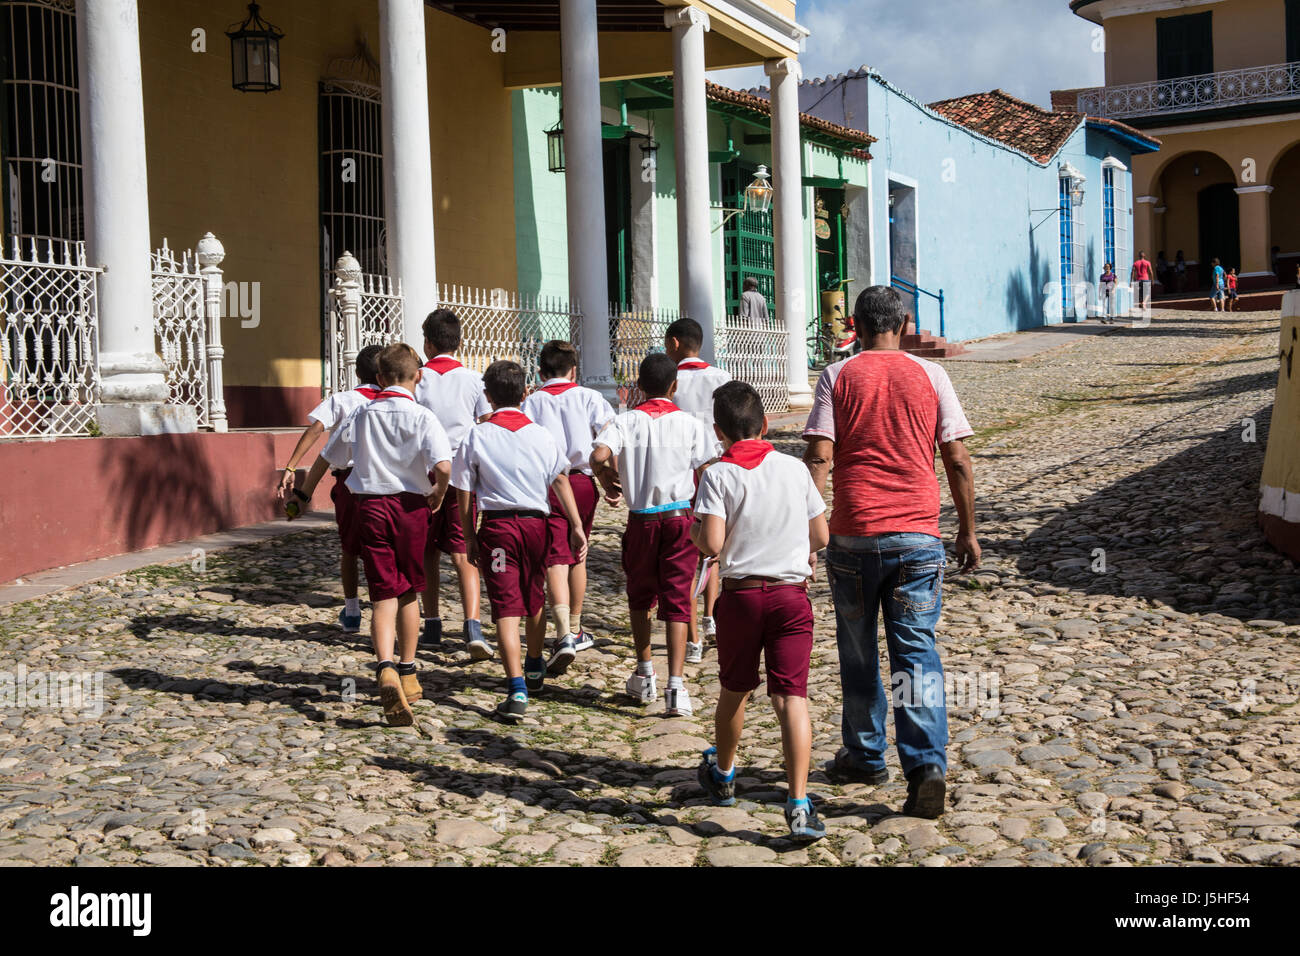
x,y
818,457
441,477
604,467
465,500
961,483
309,437
709,534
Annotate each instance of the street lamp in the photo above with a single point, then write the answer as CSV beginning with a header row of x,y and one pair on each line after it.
x,y
255,54
1076,180
555,147
758,198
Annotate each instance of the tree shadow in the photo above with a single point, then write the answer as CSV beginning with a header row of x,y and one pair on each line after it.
x,y
1213,389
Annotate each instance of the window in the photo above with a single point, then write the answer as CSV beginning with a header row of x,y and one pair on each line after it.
x,y
1072,253
1184,46
1115,214
749,249
1292,31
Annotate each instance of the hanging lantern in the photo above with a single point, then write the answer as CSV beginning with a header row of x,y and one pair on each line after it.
x,y
555,147
758,195
255,54
649,153
1076,180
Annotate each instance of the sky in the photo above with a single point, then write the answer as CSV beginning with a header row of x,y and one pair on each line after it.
x,y
936,49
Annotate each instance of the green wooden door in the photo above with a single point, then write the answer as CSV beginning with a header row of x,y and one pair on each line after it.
x,y
748,244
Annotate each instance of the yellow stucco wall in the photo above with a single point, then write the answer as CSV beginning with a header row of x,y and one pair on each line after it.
x,y
1280,480
244,166
1246,33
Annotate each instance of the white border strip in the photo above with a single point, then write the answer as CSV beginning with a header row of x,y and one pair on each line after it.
x,y
1278,503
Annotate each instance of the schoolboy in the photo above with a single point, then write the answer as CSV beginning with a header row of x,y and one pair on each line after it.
x,y
649,455
326,417
510,462
401,466
573,415
455,394
759,512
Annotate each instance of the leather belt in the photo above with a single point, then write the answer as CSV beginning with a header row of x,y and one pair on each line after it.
x,y
661,515
512,514
747,584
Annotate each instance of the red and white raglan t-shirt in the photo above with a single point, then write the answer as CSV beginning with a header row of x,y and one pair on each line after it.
x,y
886,411
509,462
573,414
658,447
767,500
455,394
393,443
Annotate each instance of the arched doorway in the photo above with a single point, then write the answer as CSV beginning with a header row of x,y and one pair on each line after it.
x,y
1198,194
1284,215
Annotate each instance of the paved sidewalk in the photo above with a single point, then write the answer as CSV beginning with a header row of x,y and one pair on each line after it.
x,y
1014,346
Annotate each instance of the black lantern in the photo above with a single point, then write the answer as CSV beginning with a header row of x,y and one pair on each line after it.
x,y
555,147
255,54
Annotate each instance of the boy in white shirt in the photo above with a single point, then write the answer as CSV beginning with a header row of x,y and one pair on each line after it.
x,y
759,512
401,464
326,417
455,394
649,455
573,415
512,464
697,380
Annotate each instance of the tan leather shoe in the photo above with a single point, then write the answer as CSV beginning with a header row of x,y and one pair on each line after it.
x,y
396,710
411,687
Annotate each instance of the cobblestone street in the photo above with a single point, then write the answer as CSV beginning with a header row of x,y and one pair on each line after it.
x,y
1123,676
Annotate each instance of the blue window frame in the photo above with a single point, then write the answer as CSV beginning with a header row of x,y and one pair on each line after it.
x,y
1067,249
1108,213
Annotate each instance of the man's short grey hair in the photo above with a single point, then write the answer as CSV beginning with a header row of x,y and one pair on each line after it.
x,y
879,310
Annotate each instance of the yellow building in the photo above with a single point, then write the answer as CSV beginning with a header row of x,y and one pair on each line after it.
x,y
1218,82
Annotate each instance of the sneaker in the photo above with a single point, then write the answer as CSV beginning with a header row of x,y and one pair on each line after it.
x,y
925,792
396,709
411,688
843,770
694,652
642,689
721,792
583,641
534,680
432,636
805,826
565,651
351,623
512,709
479,648
677,703
708,627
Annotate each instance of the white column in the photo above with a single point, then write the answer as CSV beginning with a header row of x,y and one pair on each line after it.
x,y
584,178
691,125
787,222
408,175
117,221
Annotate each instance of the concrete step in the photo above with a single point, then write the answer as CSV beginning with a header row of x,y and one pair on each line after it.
x,y
925,344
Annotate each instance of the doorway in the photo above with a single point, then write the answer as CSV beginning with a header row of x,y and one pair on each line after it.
x,y
618,220
1219,229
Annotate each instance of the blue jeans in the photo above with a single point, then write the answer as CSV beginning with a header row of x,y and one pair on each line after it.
x,y
903,574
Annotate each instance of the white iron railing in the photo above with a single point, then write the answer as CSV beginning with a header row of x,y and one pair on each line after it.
x,y
497,324
634,333
1257,84
753,350
188,301
49,341
364,310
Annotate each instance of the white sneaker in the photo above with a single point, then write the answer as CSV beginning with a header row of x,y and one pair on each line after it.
x,y
643,688
708,628
677,703
694,652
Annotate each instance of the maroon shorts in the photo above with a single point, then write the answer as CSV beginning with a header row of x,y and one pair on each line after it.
x,y
557,525
346,513
659,561
393,532
445,530
511,557
774,620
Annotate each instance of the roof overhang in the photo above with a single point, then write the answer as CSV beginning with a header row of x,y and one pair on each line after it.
x,y
1136,142
1100,10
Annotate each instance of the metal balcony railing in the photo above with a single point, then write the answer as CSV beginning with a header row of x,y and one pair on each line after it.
x,y
1256,84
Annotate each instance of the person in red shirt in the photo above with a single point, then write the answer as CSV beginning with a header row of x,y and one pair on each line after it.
x,y
1232,290
876,420
1141,277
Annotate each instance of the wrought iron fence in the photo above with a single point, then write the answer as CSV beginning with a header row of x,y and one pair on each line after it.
x,y
633,334
180,328
753,350
49,335
364,310
1257,84
497,324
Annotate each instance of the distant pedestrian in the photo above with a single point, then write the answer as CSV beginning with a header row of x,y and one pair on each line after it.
x,y
1108,294
1162,270
1180,272
753,305
1232,290
1219,285
1141,278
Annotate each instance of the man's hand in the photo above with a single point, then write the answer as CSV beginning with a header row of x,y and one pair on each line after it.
x,y
614,496
968,552
578,544
286,484
471,548
812,563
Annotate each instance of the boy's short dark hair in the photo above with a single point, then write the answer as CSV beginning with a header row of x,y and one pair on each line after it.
x,y
688,332
557,358
657,374
879,310
504,383
397,363
368,365
442,330
738,410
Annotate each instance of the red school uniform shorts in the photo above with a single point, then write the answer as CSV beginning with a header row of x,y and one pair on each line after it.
x,y
557,525
774,621
346,513
659,561
445,530
393,533
512,560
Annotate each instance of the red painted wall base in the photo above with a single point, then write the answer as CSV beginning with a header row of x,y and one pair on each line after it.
x,y
1284,535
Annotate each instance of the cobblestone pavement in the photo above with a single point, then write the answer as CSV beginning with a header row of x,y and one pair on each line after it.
x,y
1123,677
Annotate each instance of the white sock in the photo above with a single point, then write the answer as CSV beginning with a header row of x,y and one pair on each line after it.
x,y
676,683
351,606
560,614
645,668
575,621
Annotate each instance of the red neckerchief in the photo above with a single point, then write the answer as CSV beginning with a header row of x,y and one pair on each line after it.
x,y
748,454
657,407
510,418
694,366
369,391
386,393
442,364
559,388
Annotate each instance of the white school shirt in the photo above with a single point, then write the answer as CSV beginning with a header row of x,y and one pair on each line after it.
x,y
767,505
393,444
695,389
335,410
658,447
509,462
455,394
573,414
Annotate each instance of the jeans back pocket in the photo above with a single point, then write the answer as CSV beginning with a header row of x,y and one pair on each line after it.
x,y
845,571
919,584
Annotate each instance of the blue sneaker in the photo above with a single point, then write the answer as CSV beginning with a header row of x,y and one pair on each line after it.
x,y
351,623
432,636
512,709
479,649
584,641
534,680
805,826
721,792
565,651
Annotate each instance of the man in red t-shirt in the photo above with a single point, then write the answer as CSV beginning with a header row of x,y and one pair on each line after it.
x,y
1141,276
876,420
